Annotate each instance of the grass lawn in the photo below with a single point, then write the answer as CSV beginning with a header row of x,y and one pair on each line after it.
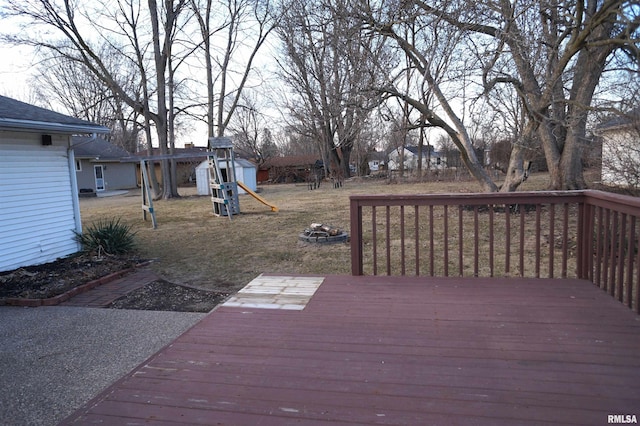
x,y
192,246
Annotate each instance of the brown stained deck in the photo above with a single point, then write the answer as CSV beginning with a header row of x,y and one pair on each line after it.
x,y
381,350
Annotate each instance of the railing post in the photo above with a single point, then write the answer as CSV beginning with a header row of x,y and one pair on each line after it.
x,y
579,240
355,214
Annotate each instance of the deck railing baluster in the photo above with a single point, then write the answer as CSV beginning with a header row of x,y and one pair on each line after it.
x,y
403,267
388,239
522,233
374,240
552,239
416,224
537,237
590,217
476,243
565,242
636,290
432,256
446,240
507,253
460,242
612,253
491,240
599,247
621,255
628,297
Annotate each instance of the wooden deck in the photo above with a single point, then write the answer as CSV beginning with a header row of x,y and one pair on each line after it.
x,y
396,350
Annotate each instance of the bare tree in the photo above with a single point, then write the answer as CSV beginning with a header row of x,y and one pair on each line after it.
x,y
430,50
369,138
554,54
330,68
499,119
77,26
242,31
252,137
71,85
290,142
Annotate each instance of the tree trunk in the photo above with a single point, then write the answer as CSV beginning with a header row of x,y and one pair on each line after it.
x,y
155,186
551,153
161,57
420,155
346,158
515,171
571,164
172,131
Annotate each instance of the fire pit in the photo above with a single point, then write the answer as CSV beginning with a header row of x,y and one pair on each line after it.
x,y
319,233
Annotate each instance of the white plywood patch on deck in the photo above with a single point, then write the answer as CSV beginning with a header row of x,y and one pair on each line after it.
x,y
276,292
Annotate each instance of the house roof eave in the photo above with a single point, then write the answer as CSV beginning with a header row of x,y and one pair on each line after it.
x,y
99,159
12,124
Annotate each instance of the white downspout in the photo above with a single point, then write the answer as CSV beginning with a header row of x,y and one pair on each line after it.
x,y
74,183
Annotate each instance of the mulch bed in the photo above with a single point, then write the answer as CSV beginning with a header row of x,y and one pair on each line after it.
x,y
55,278
162,295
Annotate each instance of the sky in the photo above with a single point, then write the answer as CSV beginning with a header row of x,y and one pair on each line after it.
x,y
16,78
15,64
15,70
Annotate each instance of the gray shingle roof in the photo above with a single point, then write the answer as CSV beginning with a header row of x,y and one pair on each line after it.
x,y
17,115
426,149
87,147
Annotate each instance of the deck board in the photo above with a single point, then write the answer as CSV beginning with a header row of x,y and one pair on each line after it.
x,y
396,350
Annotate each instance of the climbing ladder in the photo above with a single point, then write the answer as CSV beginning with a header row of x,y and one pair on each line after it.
x,y
222,177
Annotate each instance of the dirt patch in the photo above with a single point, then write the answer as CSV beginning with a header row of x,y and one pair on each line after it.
x,y
165,296
56,278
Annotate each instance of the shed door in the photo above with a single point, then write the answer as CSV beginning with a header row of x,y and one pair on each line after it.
x,y
99,172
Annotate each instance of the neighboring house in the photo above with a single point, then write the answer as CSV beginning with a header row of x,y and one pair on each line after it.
x,y
39,210
431,159
377,161
295,168
245,173
99,166
621,150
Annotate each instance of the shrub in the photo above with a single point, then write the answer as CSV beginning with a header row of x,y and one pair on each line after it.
x,y
107,237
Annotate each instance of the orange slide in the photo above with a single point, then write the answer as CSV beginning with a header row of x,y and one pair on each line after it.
x,y
257,197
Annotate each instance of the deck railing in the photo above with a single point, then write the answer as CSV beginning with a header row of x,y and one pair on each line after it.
x,y
589,234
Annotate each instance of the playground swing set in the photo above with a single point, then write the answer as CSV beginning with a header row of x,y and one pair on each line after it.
x,y
222,181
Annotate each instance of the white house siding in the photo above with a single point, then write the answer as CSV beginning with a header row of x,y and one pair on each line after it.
x,y
621,157
434,162
37,213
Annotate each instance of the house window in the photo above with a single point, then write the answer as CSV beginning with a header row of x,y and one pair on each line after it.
x,y
78,166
